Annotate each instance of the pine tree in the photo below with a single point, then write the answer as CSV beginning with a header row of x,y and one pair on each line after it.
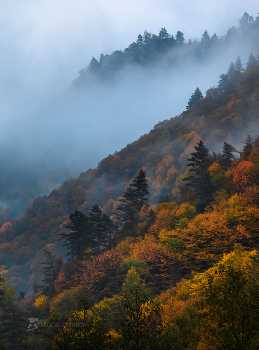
x,y
98,227
231,70
127,211
223,83
93,67
200,179
247,149
163,34
195,97
80,237
205,40
238,65
133,199
252,61
50,270
140,183
110,229
227,155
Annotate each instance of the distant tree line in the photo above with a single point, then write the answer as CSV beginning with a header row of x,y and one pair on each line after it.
x,y
148,47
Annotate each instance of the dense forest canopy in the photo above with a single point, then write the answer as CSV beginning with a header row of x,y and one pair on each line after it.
x,y
157,247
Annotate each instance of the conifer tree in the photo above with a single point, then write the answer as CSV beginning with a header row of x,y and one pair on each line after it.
x,y
97,223
163,34
231,70
223,82
200,179
131,203
50,270
80,237
195,97
93,67
252,61
238,65
227,155
205,40
140,184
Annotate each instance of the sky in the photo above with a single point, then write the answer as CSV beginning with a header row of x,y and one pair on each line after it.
x,y
45,43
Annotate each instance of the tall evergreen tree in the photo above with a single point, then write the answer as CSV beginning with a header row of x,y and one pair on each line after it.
x,y
163,34
252,61
223,83
97,225
140,184
205,40
238,65
195,97
247,149
227,155
231,70
50,270
199,179
93,67
131,203
80,237
127,211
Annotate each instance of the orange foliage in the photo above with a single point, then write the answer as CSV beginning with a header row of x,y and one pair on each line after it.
x,y
242,175
97,275
164,266
7,226
165,214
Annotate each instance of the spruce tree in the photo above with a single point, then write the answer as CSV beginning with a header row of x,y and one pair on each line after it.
x,y
227,155
128,210
238,65
252,61
50,270
80,237
97,223
205,40
195,97
223,83
200,180
231,70
131,203
140,184
93,67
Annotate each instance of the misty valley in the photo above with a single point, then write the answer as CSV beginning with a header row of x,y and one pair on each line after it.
x,y
129,214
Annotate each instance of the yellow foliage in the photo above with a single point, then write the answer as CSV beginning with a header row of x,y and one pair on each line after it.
x,y
42,303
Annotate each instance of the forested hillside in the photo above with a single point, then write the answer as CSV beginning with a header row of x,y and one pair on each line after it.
x,y
226,114
175,272
157,247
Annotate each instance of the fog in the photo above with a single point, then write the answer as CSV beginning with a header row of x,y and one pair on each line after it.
x,y
50,132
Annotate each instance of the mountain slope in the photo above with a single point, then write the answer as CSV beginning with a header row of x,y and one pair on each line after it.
x,y
221,116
